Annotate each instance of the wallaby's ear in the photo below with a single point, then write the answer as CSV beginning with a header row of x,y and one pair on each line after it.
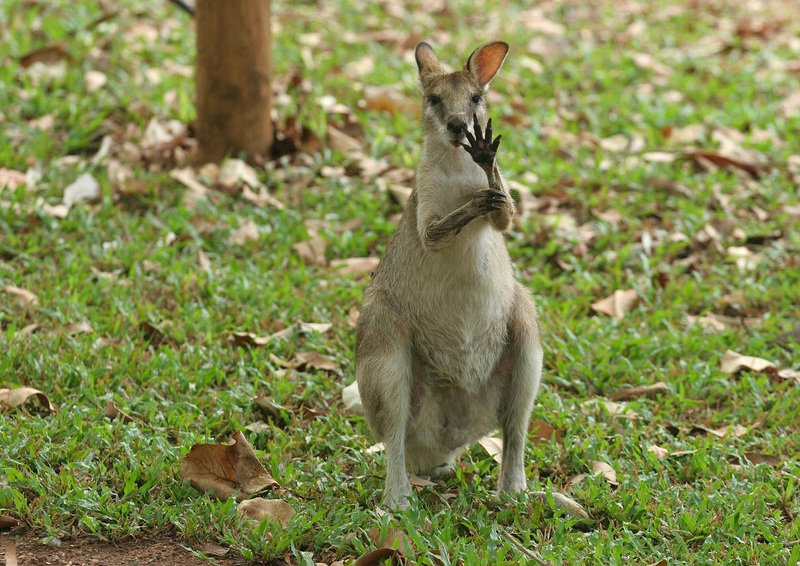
x,y
486,60
427,61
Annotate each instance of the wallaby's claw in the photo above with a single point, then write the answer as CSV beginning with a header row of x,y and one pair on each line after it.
x,y
489,200
481,147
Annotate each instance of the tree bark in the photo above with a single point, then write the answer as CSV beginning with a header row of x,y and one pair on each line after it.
x,y
232,73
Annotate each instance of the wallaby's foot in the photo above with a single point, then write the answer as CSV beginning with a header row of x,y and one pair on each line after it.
x,y
395,497
443,472
482,149
512,482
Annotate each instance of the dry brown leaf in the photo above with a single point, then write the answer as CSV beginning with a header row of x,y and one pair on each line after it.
x,y
225,470
213,549
541,431
352,317
72,329
493,446
647,62
16,397
617,304
375,448
351,398
342,142
248,339
641,391
84,189
709,323
400,193
733,362
94,80
658,452
312,251
603,469
247,232
790,106
417,481
712,159
732,431
792,374
357,266
386,99
48,55
7,522
392,538
614,409
259,509
10,179
23,295
757,458
314,360
188,179
563,502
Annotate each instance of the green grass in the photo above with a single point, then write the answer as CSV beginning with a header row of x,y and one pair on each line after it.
x,y
77,472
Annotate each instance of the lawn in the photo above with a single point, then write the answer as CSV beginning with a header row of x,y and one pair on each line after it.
x,y
654,148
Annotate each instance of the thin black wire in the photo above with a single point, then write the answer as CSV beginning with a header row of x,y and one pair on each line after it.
x,y
184,6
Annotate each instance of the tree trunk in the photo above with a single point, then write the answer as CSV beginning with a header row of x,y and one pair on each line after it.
x,y
233,73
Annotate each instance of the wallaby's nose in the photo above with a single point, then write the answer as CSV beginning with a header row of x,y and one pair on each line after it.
x,y
456,125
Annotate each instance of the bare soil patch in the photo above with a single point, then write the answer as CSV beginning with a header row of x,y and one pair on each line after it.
x,y
156,549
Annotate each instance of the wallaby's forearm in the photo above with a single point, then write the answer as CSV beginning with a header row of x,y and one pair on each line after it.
x,y
441,231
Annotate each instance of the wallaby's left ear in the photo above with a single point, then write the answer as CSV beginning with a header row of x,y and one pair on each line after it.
x,y
486,60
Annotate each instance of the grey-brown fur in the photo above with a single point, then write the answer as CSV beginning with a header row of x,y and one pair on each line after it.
x,y
447,341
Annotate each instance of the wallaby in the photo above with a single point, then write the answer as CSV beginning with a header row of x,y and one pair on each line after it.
x,y
447,341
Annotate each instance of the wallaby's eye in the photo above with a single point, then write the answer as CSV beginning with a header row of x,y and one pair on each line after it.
x,y
433,99
476,98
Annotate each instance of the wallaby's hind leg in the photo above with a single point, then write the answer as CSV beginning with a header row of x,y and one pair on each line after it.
x,y
525,365
383,371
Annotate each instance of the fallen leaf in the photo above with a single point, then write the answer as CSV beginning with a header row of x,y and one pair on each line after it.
x,y
23,295
493,446
72,329
563,502
709,323
247,232
15,397
375,448
312,251
647,62
731,431
342,142
790,106
733,362
387,99
392,538
233,173
84,189
614,409
315,360
712,159
658,452
417,481
352,317
248,339
541,431
10,179
351,398
7,522
94,80
48,55
213,549
792,374
603,469
756,458
258,427
617,304
188,179
259,509
400,193
641,391
357,266
225,470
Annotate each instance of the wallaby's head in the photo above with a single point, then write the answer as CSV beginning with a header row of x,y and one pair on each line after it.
x,y
450,99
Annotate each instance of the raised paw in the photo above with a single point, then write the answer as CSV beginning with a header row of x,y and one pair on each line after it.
x,y
481,147
489,200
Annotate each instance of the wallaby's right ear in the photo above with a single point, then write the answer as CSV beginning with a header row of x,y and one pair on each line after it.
x,y
427,61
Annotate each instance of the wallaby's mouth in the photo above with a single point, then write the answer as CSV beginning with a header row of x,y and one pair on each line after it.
x,y
457,139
